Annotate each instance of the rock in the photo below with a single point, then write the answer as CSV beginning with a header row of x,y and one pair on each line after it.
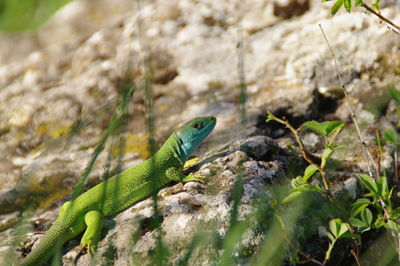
x,y
288,8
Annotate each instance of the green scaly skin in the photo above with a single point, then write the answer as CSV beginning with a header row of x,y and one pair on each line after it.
x,y
121,191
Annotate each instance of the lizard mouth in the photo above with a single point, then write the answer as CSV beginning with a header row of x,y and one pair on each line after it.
x,y
211,124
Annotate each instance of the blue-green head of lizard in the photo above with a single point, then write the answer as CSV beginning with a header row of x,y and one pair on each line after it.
x,y
192,133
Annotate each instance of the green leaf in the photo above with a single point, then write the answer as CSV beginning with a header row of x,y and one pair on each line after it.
x,y
324,128
359,205
389,196
371,194
297,182
361,226
396,213
350,235
359,2
331,237
362,201
343,229
309,172
335,227
347,5
336,7
21,15
369,183
382,186
395,94
359,209
356,222
375,5
316,127
390,136
364,229
366,216
292,196
325,156
332,126
308,188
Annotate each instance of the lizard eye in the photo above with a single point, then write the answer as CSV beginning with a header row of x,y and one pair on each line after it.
x,y
198,126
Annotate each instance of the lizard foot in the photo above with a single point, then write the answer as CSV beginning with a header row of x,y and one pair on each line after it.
x,y
191,162
89,246
194,177
84,248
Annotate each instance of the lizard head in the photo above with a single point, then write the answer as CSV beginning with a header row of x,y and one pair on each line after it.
x,y
192,133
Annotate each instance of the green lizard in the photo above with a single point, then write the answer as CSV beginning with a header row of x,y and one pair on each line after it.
x,y
121,191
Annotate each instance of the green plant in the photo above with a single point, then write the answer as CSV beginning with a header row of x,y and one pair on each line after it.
x,y
364,224
329,130
300,184
379,198
19,15
338,230
348,5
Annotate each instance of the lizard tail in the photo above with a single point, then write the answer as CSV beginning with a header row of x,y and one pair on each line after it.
x,y
51,242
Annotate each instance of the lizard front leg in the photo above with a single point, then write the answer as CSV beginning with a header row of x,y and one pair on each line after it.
x,y
94,221
176,175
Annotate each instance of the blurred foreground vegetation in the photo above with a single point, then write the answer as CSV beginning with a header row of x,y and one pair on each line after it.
x,y
20,15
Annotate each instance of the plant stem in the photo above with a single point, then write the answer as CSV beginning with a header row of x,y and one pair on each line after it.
x,y
355,257
307,156
367,7
294,247
301,252
353,116
396,166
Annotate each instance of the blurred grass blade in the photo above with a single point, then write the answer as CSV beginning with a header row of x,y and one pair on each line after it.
x,y
395,94
19,15
235,229
390,136
292,196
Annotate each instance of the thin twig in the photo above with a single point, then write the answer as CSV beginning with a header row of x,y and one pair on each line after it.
x,y
367,7
353,116
356,253
242,79
294,247
380,152
396,166
355,257
305,154
380,21
301,252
